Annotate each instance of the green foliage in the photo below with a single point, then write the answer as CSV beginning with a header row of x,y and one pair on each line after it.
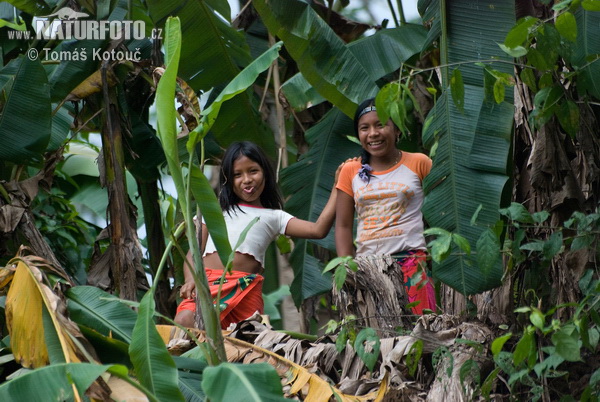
x,y
247,382
273,299
236,86
443,356
24,86
457,89
367,346
190,377
471,141
495,83
322,56
56,382
153,364
65,231
94,308
395,101
340,264
210,211
413,357
546,345
469,371
571,37
214,53
347,331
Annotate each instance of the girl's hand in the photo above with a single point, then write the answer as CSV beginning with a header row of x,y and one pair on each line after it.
x,y
188,290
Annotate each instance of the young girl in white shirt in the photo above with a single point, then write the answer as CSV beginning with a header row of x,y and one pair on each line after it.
x,y
247,190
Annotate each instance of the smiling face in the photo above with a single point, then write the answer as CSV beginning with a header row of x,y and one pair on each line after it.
x,y
378,139
248,181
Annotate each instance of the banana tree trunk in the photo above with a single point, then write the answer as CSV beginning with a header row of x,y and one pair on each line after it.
x,y
123,256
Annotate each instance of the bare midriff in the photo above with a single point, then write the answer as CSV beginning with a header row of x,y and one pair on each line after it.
x,y
241,262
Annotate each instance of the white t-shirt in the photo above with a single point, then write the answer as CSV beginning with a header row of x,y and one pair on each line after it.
x,y
271,223
388,208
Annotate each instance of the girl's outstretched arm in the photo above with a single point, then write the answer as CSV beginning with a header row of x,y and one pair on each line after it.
x,y
343,224
320,228
314,230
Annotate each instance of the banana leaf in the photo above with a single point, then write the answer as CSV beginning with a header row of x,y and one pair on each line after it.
x,y
308,183
212,51
380,54
588,44
248,382
61,127
53,383
146,146
66,75
322,57
94,308
300,94
25,117
30,303
385,51
470,162
211,212
154,366
112,351
190,377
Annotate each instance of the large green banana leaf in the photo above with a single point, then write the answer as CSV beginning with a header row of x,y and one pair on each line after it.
x,y
385,51
469,166
190,377
322,57
588,43
243,382
154,366
25,117
309,183
56,382
94,308
380,54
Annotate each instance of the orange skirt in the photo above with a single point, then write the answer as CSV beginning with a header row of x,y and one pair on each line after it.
x,y
241,295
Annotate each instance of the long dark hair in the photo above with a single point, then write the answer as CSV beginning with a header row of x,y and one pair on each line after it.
x,y
270,197
365,156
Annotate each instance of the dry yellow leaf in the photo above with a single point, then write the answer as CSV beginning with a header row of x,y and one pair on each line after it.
x,y
24,319
27,299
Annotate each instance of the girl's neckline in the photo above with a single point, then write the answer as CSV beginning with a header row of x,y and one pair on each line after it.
x,y
241,204
394,166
